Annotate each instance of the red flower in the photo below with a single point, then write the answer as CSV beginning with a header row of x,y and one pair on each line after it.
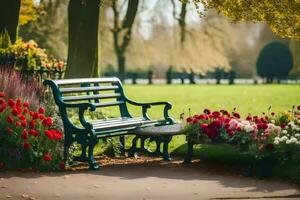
x,y
25,110
195,121
204,128
206,111
212,131
2,109
227,126
239,129
282,126
217,124
24,123
19,104
22,117
9,130
53,134
225,112
216,114
41,110
26,145
262,125
249,118
61,165
298,107
236,115
230,133
2,101
41,116
47,157
11,103
263,120
189,119
26,104
9,119
2,165
18,124
32,124
33,132
2,94
24,134
15,112
35,115
47,122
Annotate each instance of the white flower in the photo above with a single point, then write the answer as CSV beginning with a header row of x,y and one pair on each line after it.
x,y
245,123
297,135
276,142
288,142
284,131
284,138
293,140
248,128
273,121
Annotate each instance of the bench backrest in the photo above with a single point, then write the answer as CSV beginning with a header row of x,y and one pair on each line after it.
x,y
102,92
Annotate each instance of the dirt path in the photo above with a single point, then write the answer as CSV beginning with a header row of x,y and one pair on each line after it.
x,y
149,180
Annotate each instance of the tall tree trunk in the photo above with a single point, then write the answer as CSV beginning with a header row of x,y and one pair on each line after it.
x,y
122,33
182,24
121,66
181,20
9,17
83,52
295,49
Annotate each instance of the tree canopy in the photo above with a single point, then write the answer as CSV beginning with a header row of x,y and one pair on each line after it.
x,y
282,16
275,60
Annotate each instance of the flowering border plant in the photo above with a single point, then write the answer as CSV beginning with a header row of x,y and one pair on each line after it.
x,y
28,139
262,137
29,55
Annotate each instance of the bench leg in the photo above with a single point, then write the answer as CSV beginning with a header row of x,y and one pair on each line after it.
x,y
122,145
166,155
67,144
157,150
93,164
133,147
189,155
82,157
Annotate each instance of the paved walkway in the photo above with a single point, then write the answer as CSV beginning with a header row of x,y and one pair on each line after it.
x,y
154,180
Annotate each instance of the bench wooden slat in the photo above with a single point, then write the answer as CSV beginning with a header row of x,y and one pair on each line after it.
x,y
85,80
90,97
123,125
116,120
107,104
87,89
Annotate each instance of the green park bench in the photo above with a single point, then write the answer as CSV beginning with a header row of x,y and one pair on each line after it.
x,y
95,93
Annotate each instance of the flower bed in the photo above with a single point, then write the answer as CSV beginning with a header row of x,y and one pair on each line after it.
x,y
28,139
266,140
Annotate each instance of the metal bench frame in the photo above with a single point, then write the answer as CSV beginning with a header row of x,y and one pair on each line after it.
x,y
89,134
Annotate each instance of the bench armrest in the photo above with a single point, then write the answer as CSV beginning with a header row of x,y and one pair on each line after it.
x,y
146,106
82,108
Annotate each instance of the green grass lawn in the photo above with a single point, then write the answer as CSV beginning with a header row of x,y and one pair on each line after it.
x,y
253,99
